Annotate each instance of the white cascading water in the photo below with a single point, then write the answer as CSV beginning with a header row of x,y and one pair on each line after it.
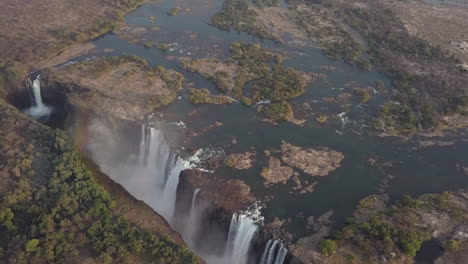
x,y
244,226
241,232
274,253
281,255
39,109
157,159
193,212
192,220
153,175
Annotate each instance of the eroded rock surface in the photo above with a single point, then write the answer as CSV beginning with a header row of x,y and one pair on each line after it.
x,y
275,172
123,87
240,161
315,162
231,195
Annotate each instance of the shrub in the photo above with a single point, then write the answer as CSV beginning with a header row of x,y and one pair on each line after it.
x,y
279,111
327,247
410,242
451,245
173,11
163,46
246,101
148,44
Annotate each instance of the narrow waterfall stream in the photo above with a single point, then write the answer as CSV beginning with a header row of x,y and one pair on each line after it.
x,y
39,109
241,232
152,175
274,252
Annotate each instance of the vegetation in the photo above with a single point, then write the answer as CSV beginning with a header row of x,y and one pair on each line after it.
x,y
265,3
101,25
364,95
280,111
322,119
327,247
55,209
451,245
334,40
282,84
231,161
203,96
432,87
246,101
236,14
8,74
402,227
173,11
264,70
148,44
163,46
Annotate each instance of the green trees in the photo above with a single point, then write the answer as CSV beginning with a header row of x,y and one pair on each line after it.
x,y
451,245
327,247
410,242
173,11
72,212
32,245
237,15
282,84
6,217
280,111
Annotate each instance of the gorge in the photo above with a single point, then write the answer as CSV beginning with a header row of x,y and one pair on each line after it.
x,y
235,132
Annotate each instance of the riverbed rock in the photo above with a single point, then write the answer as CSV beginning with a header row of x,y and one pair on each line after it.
x,y
275,172
231,195
123,87
240,161
315,162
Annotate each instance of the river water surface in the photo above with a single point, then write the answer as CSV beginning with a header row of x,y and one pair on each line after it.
x,y
414,170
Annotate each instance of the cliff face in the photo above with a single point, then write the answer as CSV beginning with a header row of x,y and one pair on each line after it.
x,y
53,208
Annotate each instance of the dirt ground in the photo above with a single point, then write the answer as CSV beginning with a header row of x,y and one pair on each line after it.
x,y
31,30
440,24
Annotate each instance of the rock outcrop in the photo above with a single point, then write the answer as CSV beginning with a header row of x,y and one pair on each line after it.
x,y
123,87
240,161
231,195
275,172
315,162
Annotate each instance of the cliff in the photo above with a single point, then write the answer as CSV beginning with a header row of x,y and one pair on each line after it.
x,y
53,208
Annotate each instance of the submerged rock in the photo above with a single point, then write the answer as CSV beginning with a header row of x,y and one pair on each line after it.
x,y
315,162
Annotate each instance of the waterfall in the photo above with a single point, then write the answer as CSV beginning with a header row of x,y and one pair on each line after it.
x,y
274,253
39,109
281,255
244,226
151,174
159,161
170,188
241,232
192,215
190,228
265,252
271,253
